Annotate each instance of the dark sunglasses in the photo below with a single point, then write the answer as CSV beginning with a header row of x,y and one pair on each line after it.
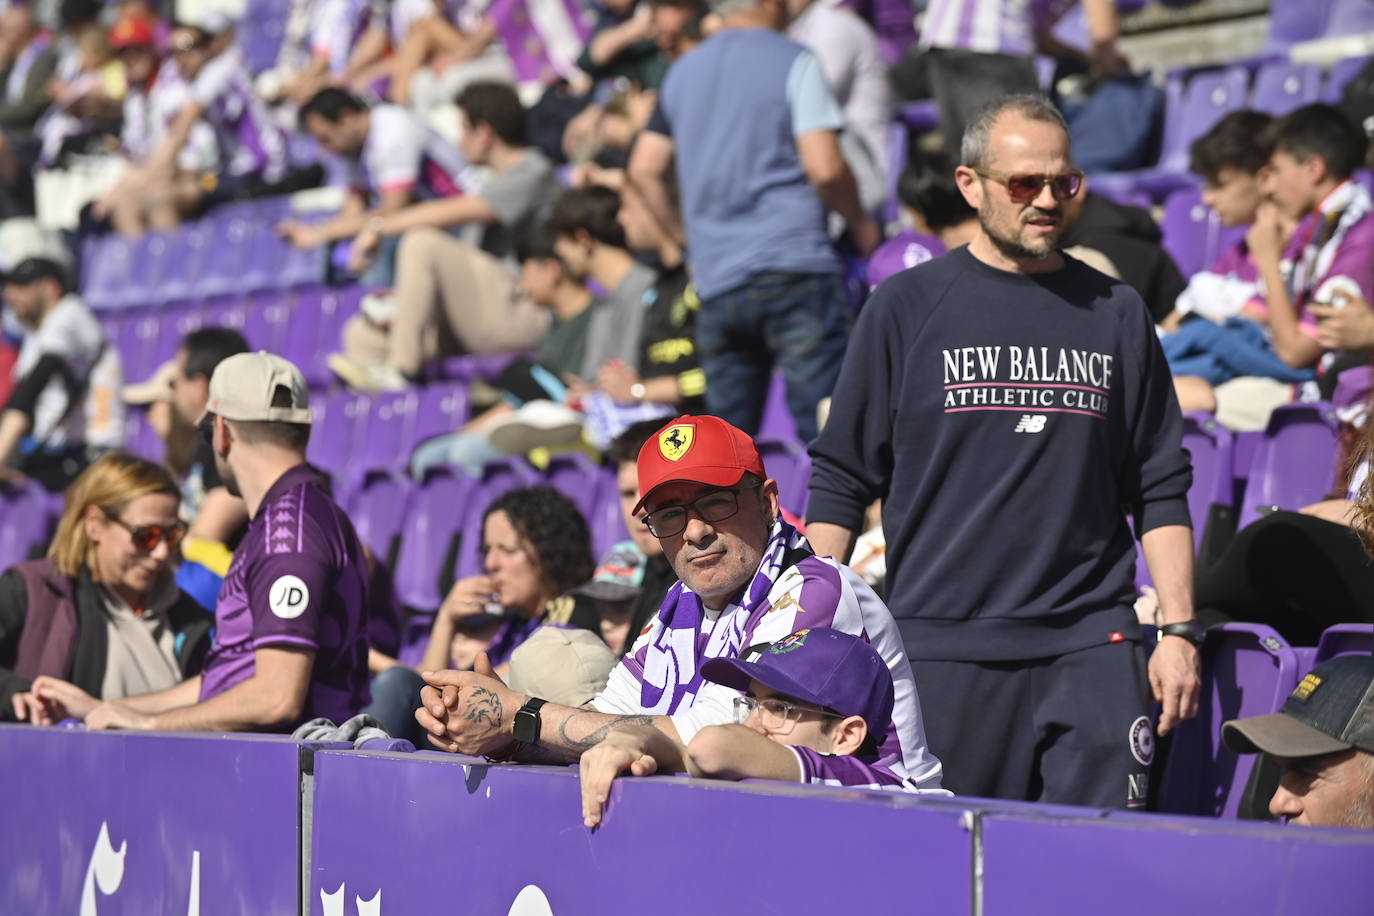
x,y
1025,187
147,537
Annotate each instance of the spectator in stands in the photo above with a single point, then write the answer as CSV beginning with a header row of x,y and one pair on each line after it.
x,y
546,280
961,405
1313,152
101,611
395,159
678,25
85,105
28,59
939,216
1230,159
291,623
708,500
808,708
252,149
456,296
622,46
753,128
847,50
65,408
535,549
156,93
972,52
1323,738
340,43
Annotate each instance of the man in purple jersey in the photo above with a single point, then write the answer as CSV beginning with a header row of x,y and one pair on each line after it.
x,y
808,711
748,580
291,621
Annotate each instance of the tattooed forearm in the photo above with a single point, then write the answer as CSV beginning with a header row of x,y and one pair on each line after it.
x,y
484,706
596,735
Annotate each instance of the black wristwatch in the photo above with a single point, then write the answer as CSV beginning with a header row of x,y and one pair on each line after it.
x,y
1187,629
527,721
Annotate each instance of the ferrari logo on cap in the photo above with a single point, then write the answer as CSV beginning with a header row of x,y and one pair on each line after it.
x,y
674,441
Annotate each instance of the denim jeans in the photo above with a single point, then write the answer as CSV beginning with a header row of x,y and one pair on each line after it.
x,y
395,697
797,322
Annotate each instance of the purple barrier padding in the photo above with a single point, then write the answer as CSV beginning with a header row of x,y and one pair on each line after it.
x,y
1148,865
434,833
135,822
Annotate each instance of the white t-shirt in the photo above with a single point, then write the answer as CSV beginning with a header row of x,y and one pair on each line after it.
x,y
403,153
71,332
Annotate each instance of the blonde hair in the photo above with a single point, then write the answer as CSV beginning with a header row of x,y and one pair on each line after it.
x,y
109,484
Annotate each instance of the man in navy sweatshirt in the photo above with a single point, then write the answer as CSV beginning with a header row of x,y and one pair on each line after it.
x,y
1010,406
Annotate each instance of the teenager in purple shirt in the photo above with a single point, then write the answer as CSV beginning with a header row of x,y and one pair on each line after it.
x,y
291,620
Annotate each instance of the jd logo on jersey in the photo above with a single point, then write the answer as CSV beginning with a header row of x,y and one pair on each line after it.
x,y
674,441
1031,423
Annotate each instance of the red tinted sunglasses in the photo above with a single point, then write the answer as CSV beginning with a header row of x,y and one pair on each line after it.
x,y
1024,186
147,537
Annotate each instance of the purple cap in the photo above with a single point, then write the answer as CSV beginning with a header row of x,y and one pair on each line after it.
x,y
821,666
901,253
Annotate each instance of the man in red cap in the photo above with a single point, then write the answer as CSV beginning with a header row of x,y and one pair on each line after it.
x,y
748,579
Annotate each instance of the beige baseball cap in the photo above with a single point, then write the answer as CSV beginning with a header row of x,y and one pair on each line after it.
x,y
243,386
562,665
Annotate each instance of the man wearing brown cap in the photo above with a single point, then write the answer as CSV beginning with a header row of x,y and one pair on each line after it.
x,y
1323,738
748,579
291,620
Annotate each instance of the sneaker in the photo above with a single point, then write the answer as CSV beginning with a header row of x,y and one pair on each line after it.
x,y
378,308
538,424
362,377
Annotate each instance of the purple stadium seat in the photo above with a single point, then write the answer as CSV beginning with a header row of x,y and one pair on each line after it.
x,y
314,327
777,422
1344,639
1341,73
434,517
1189,225
25,522
137,343
608,525
498,478
190,249
786,461
1281,86
1294,463
338,431
265,324
473,366
897,145
1292,21
443,408
148,267
1349,17
386,431
105,272
1210,444
578,477
1209,96
228,267
1247,669
378,508
139,436
227,312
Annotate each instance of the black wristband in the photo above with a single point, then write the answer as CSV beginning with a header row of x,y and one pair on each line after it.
x,y
1186,629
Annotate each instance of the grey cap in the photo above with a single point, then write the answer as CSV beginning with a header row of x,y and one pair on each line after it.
x,y
1331,710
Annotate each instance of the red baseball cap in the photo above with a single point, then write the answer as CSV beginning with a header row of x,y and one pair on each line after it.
x,y
129,33
700,450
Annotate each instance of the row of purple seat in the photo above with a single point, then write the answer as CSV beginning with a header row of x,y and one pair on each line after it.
x,y
231,251
1293,21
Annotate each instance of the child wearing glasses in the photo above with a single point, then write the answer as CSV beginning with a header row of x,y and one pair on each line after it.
x,y
809,708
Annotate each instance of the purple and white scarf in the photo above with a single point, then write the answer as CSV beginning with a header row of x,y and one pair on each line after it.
x,y
680,645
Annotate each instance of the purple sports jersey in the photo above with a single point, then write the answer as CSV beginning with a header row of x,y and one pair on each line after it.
x,y
403,153
793,589
249,142
298,578
990,26
838,770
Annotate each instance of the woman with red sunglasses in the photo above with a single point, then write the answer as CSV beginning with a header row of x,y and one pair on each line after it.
x,y
102,611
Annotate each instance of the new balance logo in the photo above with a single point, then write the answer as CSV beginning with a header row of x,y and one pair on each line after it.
x,y
1031,423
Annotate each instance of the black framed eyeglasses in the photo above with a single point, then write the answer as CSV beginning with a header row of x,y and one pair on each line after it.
x,y
1026,186
715,506
147,537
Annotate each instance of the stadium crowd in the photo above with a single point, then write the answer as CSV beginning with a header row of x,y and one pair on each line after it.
x,y
642,212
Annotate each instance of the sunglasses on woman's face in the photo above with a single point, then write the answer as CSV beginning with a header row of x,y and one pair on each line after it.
x,y
1024,187
147,537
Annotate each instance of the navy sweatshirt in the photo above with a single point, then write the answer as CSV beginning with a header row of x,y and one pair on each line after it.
x,y
1010,423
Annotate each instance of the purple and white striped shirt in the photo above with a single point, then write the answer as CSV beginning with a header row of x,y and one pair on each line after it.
x,y
813,592
249,142
989,26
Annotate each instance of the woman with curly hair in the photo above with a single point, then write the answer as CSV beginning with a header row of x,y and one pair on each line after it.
x,y
536,547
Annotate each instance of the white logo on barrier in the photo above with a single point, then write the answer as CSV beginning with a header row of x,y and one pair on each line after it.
x,y
288,597
333,904
530,902
1142,741
1031,423
105,870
